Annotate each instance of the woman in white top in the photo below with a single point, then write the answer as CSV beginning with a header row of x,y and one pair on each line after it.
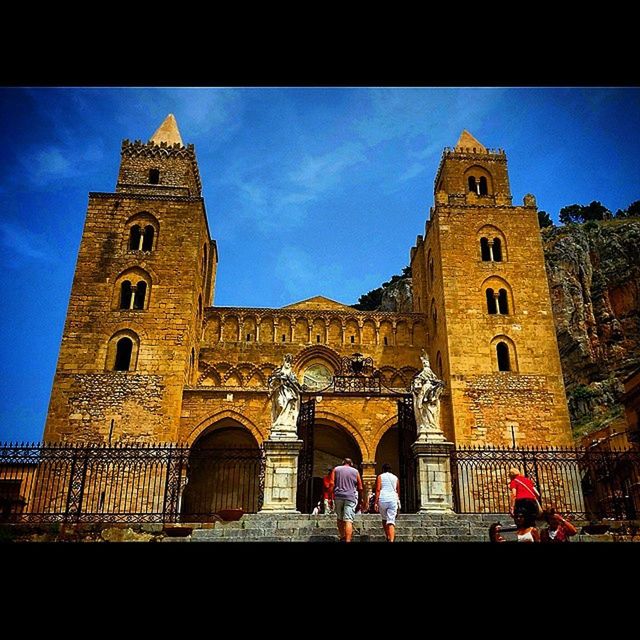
x,y
387,500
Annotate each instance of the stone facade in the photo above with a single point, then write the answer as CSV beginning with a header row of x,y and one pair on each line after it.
x,y
194,368
477,247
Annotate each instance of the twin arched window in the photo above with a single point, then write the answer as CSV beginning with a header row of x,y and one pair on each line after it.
x,y
141,239
497,301
491,249
478,185
133,296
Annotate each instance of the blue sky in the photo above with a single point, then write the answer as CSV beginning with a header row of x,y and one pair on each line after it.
x,y
308,190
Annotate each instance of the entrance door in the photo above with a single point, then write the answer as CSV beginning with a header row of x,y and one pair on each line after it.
x,y
407,435
306,419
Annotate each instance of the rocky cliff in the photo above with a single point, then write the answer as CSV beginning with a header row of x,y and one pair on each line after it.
x,y
397,297
594,279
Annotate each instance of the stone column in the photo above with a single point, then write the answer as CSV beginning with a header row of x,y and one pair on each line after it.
x,y
433,468
281,476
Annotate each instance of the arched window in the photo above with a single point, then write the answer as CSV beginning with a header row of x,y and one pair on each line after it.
x,y
484,249
439,364
125,295
200,305
386,342
147,239
124,348
497,250
483,186
472,184
434,316
491,301
140,295
204,259
502,351
154,176
503,302
134,237
431,269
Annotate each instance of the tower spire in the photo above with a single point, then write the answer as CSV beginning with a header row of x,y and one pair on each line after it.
x,y
167,132
467,141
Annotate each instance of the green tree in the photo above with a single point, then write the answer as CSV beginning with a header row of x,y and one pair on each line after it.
x,y
632,211
583,213
369,301
544,219
571,213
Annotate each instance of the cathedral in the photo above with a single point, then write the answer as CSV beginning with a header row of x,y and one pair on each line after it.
x,y
147,356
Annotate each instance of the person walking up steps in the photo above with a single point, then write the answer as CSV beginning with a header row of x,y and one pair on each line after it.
x,y
387,500
346,489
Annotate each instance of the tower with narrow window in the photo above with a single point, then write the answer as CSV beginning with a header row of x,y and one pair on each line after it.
x,y
145,271
479,273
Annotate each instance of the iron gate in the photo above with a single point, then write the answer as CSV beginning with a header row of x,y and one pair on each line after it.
x,y
306,419
407,435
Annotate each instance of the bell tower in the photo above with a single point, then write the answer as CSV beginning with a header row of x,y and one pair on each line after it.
x,y
144,274
480,272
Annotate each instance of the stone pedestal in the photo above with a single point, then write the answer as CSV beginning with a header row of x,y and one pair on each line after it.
x,y
281,475
433,468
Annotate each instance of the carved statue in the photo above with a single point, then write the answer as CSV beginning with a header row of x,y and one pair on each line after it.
x,y
285,394
426,389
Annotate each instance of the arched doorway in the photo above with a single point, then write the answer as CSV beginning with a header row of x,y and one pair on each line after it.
x,y
388,450
223,473
332,444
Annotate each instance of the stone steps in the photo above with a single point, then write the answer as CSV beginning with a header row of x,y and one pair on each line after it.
x,y
367,528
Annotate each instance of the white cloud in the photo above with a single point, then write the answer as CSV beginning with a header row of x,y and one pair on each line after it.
x,y
414,170
19,243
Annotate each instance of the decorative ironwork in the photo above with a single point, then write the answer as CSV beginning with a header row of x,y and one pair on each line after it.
x,y
306,421
357,376
137,483
407,435
581,483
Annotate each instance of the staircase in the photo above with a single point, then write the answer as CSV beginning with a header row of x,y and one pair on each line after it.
x,y
323,528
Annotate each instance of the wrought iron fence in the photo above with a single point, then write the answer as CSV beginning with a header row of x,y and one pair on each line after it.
x,y
586,484
142,483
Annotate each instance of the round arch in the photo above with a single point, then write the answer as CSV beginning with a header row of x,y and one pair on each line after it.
x,y
209,424
344,424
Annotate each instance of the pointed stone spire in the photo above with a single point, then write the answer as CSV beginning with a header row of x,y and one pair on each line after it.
x,y
167,132
467,141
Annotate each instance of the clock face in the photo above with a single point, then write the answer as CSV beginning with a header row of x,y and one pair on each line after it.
x,y
317,376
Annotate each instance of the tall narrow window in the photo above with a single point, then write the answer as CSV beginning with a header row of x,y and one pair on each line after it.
x,y
154,176
317,338
503,302
386,342
497,250
439,364
140,294
502,351
491,302
134,238
353,339
472,184
200,305
484,250
248,337
125,295
204,258
431,270
147,240
192,361
123,354
483,186
284,338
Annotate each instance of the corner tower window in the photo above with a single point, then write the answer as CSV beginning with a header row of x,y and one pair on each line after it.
x,y
154,176
491,302
123,354
503,302
147,238
497,250
125,294
472,184
484,250
483,190
134,238
502,351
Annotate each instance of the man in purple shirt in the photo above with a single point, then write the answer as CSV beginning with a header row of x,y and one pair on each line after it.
x,y
346,488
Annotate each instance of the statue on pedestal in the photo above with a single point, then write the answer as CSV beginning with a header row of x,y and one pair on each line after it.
x,y
285,395
426,389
